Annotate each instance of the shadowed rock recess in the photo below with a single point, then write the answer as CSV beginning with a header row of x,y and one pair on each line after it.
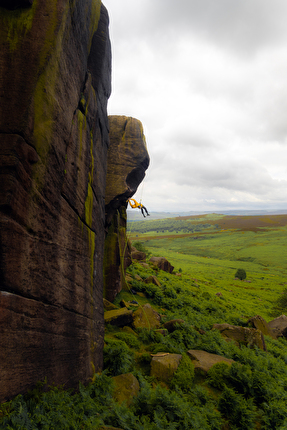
x,y
54,86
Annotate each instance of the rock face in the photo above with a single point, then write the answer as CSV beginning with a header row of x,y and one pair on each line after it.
x,y
54,86
128,160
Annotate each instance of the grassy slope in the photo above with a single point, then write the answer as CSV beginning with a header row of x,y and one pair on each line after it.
x,y
212,258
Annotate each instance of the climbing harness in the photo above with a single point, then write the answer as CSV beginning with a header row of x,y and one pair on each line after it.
x,y
135,204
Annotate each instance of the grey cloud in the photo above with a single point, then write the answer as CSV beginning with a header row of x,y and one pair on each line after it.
x,y
244,25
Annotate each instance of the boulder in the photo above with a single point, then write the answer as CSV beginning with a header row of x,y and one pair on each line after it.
x,y
260,323
145,265
164,365
162,264
118,317
146,317
242,335
108,306
55,81
278,326
138,255
172,324
203,361
152,280
126,388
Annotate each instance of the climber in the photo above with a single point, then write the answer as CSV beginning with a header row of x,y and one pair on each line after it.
x,y
139,206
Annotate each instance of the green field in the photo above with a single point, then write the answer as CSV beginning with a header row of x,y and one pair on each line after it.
x,y
217,247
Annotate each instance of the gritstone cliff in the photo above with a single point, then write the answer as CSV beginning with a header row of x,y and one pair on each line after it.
x,y
128,160
55,75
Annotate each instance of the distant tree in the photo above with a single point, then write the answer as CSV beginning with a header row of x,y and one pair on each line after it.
x,y
240,274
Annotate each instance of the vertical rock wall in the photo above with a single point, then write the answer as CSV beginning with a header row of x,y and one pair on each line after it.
x,y
128,160
54,86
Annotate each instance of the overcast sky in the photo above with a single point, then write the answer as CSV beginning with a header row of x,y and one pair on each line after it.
x,y
208,80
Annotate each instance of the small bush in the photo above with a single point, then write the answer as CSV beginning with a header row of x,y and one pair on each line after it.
x,y
240,274
130,339
280,305
117,357
236,409
183,377
217,375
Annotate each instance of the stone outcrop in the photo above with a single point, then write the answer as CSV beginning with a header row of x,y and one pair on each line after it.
x,y
278,326
108,306
137,255
260,323
241,335
128,160
126,388
203,361
152,280
162,263
54,86
119,317
164,366
146,317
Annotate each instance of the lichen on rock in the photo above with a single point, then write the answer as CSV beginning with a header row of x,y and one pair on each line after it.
x,y
54,84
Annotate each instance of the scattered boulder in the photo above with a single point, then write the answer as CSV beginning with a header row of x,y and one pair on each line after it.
x,y
219,294
146,317
118,317
172,324
203,361
242,335
164,365
138,255
108,306
260,323
278,326
145,265
162,264
138,277
152,280
126,388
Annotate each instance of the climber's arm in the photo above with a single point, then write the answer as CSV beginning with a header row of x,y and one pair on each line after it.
x,y
133,205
